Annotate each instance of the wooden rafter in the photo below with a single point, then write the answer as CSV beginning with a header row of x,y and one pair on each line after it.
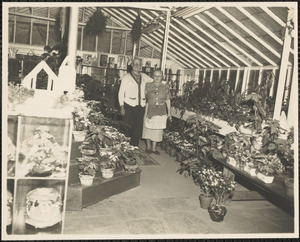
x,y
273,16
257,38
211,45
205,49
228,41
237,36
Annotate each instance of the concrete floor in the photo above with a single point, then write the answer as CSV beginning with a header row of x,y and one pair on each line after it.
x,y
166,205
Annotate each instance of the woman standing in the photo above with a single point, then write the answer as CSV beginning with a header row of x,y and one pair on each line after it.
x,y
158,105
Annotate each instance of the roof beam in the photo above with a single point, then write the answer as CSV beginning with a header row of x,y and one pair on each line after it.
x,y
236,35
257,38
183,46
273,16
210,45
205,49
122,20
263,27
228,41
187,44
192,13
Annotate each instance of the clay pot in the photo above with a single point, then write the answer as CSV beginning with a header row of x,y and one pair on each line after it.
x,y
86,180
217,213
172,152
205,201
178,157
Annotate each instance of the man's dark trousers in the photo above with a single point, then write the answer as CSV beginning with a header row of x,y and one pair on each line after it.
x,y
134,117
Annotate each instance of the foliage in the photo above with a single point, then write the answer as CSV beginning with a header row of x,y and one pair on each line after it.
x,y
136,31
270,164
88,165
18,94
96,23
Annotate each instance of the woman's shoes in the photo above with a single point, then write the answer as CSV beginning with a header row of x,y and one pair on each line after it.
x,y
156,152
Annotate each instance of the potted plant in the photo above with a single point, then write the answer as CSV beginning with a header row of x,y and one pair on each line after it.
x,y
128,154
289,186
202,178
222,188
88,166
268,166
109,161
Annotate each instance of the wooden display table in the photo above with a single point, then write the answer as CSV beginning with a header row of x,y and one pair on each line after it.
x,y
274,192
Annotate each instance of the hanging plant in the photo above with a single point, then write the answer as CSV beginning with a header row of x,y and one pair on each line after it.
x,y
96,24
136,31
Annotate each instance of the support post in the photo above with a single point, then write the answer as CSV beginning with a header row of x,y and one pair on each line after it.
x,y
166,38
73,32
283,70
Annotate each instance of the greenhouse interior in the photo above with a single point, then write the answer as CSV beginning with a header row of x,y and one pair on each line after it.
x,y
150,120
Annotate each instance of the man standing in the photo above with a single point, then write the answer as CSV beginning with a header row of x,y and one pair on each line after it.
x,y
132,100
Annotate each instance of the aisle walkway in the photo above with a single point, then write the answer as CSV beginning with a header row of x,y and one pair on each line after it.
x,y
166,203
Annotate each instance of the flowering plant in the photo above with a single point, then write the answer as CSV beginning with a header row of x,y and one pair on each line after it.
x,y
109,157
18,94
221,186
88,165
203,178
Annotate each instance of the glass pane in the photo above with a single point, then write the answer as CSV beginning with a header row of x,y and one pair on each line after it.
x,y
232,79
215,76
118,42
39,32
24,10
201,74
12,10
23,30
240,82
129,44
89,42
207,76
253,80
145,50
54,12
42,12
223,75
157,54
79,38
11,28
80,15
54,35
104,42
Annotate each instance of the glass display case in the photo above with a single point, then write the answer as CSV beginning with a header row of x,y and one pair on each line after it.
x,y
37,171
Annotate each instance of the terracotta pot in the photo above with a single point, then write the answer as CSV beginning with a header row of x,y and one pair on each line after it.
x,y
178,157
205,201
86,180
107,172
163,145
172,152
217,212
167,149
289,186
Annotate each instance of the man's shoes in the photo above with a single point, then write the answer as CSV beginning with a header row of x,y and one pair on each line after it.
x,y
156,152
148,151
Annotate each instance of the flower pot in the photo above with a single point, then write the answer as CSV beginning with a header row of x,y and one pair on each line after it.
x,y
130,168
178,157
79,135
163,145
205,201
172,152
86,180
231,161
289,186
167,149
86,152
217,213
264,178
107,172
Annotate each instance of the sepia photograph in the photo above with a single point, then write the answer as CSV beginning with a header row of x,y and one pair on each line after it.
x,y
150,120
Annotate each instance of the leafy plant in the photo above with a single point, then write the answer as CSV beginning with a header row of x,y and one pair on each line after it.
x,y
96,23
88,165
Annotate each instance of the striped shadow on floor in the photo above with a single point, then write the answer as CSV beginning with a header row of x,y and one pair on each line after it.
x,y
144,159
